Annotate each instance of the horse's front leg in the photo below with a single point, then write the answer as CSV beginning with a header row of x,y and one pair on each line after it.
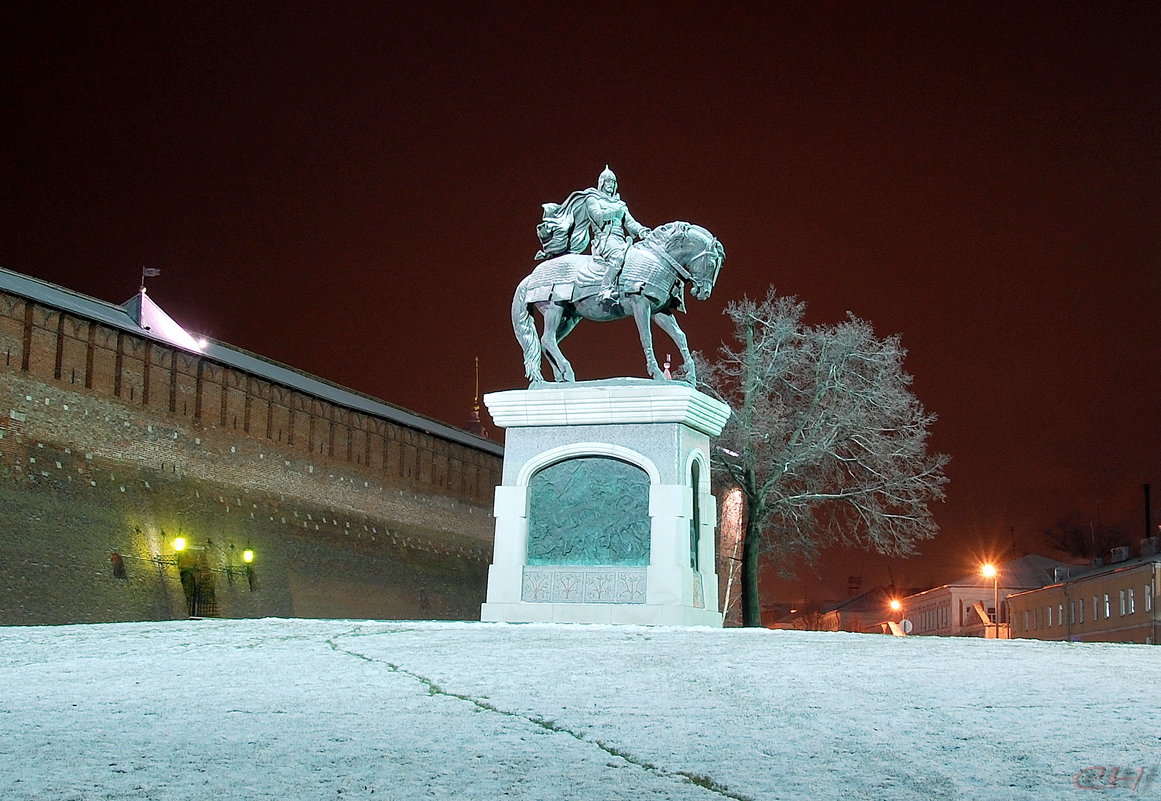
x,y
668,324
642,312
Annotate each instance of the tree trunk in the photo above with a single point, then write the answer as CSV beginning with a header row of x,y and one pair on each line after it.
x,y
751,601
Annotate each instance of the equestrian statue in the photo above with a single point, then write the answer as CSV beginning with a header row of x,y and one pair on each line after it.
x,y
631,271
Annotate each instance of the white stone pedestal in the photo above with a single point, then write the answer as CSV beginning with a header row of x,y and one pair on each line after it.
x,y
648,444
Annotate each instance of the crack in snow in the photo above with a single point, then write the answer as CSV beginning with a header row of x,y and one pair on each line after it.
x,y
702,781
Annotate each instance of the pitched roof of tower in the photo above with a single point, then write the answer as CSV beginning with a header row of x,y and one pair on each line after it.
x,y
150,317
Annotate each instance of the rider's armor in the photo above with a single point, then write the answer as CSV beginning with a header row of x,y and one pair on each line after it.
x,y
597,216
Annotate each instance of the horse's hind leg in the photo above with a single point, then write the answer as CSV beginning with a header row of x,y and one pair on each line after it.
x,y
554,320
529,339
566,325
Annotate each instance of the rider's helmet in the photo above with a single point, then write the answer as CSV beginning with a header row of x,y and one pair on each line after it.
x,y
607,175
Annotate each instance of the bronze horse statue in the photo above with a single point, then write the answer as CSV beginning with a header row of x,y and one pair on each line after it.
x,y
567,289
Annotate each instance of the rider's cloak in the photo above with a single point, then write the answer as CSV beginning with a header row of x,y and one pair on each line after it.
x,y
567,226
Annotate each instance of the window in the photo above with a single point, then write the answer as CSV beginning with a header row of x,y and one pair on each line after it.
x,y
1132,601
1108,607
1071,612
1122,600
1060,614
1096,615
695,520
1025,620
1080,609
1048,616
1147,594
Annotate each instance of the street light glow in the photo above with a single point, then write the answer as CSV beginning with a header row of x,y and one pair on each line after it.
x,y
989,570
179,544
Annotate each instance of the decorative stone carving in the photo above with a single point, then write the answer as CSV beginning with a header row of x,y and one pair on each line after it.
x,y
589,511
580,584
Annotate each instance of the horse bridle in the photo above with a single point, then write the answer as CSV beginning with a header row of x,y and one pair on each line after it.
x,y
673,264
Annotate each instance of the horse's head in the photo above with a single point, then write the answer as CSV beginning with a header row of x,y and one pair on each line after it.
x,y
695,249
706,264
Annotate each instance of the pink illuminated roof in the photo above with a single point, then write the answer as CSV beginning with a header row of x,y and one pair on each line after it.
x,y
153,319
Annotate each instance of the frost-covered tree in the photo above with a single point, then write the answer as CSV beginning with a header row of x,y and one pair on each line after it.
x,y
826,441
1077,537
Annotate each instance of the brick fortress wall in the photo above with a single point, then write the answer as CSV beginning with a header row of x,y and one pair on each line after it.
x,y
111,444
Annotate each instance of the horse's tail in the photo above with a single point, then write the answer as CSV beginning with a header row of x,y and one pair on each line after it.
x,y
525,330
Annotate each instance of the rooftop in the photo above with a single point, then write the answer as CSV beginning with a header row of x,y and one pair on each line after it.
x,y
1027,572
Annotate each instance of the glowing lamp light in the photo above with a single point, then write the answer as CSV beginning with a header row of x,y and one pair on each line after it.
x,y
896,605
991,571
179,544
248,555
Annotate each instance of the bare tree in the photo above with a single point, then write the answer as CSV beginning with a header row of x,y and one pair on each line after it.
x,y
826,441
1077,537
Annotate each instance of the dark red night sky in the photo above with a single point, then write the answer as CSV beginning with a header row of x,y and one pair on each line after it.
x,y
314,183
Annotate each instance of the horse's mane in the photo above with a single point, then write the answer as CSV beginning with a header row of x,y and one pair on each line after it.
x,y
663,235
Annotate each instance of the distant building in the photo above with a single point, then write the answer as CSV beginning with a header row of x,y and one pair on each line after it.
x,y
120,433
1116,602
953,610
868,611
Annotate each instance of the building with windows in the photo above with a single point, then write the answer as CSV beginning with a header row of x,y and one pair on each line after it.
x,y
959,609
1116,602
146,473
869,611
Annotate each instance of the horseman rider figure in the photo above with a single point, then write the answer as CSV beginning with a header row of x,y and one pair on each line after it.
x,y
595,215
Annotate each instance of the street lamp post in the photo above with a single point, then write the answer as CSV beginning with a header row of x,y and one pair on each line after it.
x,y
989,571
904,626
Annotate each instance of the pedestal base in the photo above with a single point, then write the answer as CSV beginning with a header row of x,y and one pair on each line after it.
x,y
643,615
612,480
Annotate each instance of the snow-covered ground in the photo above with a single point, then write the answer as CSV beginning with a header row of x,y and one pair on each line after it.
x,y
390,711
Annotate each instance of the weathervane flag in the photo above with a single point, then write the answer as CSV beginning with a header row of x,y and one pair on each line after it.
x,y
148,272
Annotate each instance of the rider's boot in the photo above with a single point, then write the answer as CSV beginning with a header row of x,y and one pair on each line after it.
x,y
609,285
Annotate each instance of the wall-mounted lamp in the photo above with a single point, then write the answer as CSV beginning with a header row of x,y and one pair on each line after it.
x,y
183,558
179,545
244,570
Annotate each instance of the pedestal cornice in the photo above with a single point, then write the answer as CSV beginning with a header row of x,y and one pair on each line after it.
x,y
619,400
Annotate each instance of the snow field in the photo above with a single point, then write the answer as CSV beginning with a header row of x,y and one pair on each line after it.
x,y
308,709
